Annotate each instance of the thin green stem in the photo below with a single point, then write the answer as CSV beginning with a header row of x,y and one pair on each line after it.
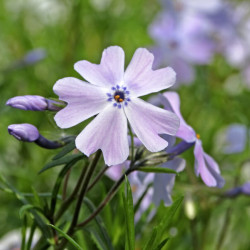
x,y
32,231
65,185
87,177
66,203
97,178
109,196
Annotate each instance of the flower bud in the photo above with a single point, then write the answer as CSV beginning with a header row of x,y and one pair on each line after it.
x,y
24,132
29,133
34,103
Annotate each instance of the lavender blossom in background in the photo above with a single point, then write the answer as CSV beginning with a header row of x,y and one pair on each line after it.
x,y
178,37
32,57
113,95
233,139
205,165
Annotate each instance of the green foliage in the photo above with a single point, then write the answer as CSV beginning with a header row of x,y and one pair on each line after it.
x,y
129,217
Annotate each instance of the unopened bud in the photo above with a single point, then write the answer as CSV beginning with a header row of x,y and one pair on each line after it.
x,y
29,133
24,132
34,103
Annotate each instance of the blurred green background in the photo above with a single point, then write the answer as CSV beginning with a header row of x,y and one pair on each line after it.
x,y
73,30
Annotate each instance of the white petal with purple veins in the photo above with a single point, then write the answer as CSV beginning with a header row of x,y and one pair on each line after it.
x,y
142,80
108,132
84,100
106,74
149,121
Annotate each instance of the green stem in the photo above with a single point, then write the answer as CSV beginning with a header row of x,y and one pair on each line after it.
x,y
87,177
109,196
66,203
32,231
65,185
97,178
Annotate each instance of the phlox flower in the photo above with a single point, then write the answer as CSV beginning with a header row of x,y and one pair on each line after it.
x,y
178,38
233,139
112,95
205,165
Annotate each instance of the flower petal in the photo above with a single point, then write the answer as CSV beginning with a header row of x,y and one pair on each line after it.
x,y
164,183
142,80
115,172
149,121
106,74
84,100
209,172
214,170
171,102
108,132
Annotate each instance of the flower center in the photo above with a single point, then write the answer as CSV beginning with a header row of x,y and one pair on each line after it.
x,y
119,96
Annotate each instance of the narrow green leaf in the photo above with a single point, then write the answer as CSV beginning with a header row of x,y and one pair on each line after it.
x,y
39,221
66,237
23,209
157,170
57,185
99,233
163,225
129,216
151,240
162,244
66,149
61,161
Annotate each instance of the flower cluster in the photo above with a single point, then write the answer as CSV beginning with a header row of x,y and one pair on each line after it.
x,y
184,28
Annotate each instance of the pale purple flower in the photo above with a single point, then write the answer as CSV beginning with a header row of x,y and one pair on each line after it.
x,y
113,95
24,132
34,103
236,136
177,41
205,165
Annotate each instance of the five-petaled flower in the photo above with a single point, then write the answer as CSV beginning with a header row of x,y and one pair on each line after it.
x,y
205,165
113,95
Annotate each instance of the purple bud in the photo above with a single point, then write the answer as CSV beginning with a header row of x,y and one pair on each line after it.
x,y
24,132
34,103
28,102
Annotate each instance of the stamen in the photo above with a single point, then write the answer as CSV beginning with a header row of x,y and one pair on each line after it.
x,y
117,97
198,136
120,100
